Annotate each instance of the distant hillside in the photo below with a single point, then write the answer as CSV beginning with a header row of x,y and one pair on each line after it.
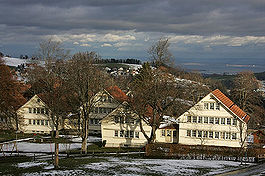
x,y
14,62
260,76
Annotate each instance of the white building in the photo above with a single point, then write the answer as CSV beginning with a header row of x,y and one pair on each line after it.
x,y
121,128
215,120
35,116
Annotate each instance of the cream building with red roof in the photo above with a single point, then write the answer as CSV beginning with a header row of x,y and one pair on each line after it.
x,y
215,120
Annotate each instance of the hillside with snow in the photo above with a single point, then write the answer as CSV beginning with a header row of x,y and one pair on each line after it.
x,y
14,62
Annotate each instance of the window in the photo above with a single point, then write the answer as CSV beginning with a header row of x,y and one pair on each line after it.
x,y
100,110
223,121
223,135
189,133
217,120
211,120
199,134
168,132
121,119
116,119
210,134
216,135
47,111
194,119
91,121
42,122
34,110
174,133
30,110
38,110
199,119
217,107
205,134
105,110
34,122
131,134
116,133
97,121
188,118
30,121
163,132
194,132
234,136
42,110
211,105
234,121
38,122
137,121
206,106
121,133
127,120
228,136
126,134
46,122
96,110
136,134
228,121
205,119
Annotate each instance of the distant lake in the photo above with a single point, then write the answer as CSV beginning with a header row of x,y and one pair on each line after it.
x,y
222,65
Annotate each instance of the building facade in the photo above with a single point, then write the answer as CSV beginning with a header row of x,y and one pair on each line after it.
x,y
215,120
34,116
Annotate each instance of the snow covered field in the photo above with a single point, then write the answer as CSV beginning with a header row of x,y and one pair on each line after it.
x,y
130,166
24,146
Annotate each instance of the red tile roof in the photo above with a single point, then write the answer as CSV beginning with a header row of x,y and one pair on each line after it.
x,y
231,105
117,93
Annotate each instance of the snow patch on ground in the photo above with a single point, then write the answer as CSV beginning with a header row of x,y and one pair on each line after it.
x,y
30,164
42,147
89,139
162,166
57,172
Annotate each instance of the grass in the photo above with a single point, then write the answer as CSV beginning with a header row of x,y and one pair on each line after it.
x,y
8,135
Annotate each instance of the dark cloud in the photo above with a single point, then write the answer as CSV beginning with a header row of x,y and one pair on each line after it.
x,y
30,20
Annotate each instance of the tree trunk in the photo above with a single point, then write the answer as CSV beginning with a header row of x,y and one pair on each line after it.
x,y
84,138
153,134
56,150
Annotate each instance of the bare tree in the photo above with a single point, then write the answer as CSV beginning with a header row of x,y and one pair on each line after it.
x,y
50,50
153,93
246,94
159,53
49,80
86,81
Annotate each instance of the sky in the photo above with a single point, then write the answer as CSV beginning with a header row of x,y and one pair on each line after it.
x,y
196,29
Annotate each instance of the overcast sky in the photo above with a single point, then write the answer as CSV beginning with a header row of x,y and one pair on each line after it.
x,y
127,28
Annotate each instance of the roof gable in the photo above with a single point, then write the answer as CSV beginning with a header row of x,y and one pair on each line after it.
x,y
31,100
230,105
117,93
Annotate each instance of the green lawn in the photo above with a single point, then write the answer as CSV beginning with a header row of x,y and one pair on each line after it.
x,y
8,135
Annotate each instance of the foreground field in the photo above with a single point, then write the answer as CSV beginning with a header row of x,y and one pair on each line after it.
x,y
116,166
